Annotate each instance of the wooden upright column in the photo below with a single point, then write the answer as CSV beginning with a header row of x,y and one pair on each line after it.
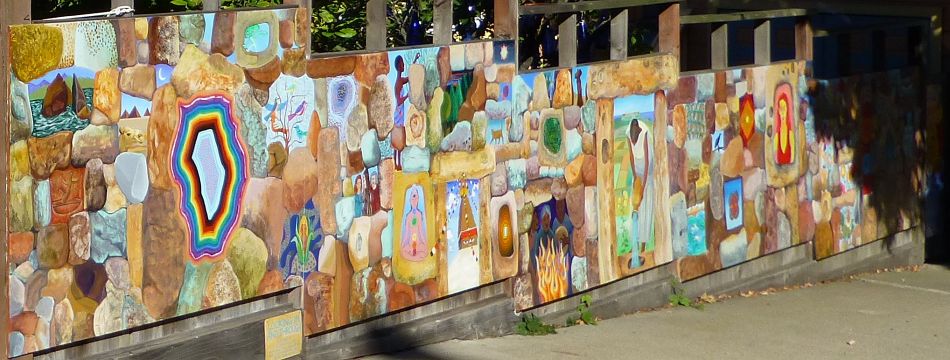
x,y
376,25
804,39
567,42
669,29
719,43
763,42
442,22
619,34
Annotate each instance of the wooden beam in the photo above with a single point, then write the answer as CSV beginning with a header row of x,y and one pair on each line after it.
x,y
804,40
719,44
619,36
669,30
560,8
11,12
376,21
866,7
567,42
742,16
442,22
763,43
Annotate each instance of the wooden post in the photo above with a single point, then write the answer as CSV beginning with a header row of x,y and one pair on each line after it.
x,y
719,43
878,50
619,36
442,21
763,42
804,45
669,30
506,19
304,12
376,25
206,5
130,3
11,12
567,42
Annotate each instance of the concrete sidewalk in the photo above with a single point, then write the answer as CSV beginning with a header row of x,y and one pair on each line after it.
x,y
889,315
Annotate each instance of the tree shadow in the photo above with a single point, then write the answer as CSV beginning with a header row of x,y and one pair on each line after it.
x,y
875,124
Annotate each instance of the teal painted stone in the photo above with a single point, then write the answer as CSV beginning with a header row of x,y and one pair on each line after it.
x,y
108,235
191,28
42,204
734,249
345,212
193,287
589,117
17,341
517,174
414,160
21,124
574,144
252,130
369,146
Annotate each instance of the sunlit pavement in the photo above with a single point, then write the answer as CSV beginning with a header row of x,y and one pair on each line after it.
x,y
886,315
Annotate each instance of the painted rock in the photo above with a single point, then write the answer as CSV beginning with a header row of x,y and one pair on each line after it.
x,y
248,258
460,139
163,40
138,81
381,107
95,141
131,174
80,237
300,176
108,235
49,153
52,246
223,286
42,204
198,71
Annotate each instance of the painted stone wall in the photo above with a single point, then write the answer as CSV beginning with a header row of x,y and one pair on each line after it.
x,y
166,165
866,184
738,166
142,154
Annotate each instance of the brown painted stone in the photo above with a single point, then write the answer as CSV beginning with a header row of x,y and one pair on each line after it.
x,y
223,286
21,244
369,66
732,162
330,67
287,33
444,64
162,126
49,153
380,108
427,290
24,322
294,62
52,246
138,81
589,170
563,89
328,177
318,302
57,98
95,182
263,212
262,77
401,296
300,176
198,71
276,159
222,42
125,40
163,40
824,240
67,190
302,26
80,235
684,93
163,253
95,141
272,281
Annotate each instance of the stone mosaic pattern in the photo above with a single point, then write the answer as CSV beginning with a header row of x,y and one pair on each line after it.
x,y
179,163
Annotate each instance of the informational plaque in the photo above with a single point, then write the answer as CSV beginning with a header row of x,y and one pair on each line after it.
x,y
283,336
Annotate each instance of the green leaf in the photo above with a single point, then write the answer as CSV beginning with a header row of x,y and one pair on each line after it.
x,y
179,2
346,33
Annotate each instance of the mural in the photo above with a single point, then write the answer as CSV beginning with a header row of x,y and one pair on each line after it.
x,y
590,212
166,165
736,166
858,198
